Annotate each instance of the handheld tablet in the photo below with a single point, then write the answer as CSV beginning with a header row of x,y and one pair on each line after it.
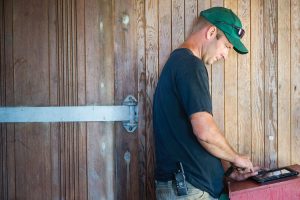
x,y
274,174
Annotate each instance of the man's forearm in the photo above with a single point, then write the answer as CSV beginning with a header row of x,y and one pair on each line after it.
x,y
219,147
213,140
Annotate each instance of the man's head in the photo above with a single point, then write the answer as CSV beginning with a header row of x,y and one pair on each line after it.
x,y
226,21
218,30
215,47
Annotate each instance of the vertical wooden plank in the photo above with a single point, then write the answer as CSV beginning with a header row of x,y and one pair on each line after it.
x,y
63,96
152,56
60,77
68,90
230,94
145,150
53,97
284,83
257,82
82,129
165,31
126,74
177,23
63,91
3,172
217,85
30,50
3,168
10,188
67,67
203,5
2,54
271,64
295,81
190,16
99,91
68,95
69,87
74,80
73,100
244,83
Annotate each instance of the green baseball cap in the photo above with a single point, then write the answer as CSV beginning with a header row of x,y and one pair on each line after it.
x,y
225,20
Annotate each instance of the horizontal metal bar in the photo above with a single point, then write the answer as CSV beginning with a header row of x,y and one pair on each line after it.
x,y
64,114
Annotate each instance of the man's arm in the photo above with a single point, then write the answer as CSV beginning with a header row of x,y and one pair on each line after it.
x,y
213,140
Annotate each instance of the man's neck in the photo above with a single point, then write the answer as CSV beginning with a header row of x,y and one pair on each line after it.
x,y
195,50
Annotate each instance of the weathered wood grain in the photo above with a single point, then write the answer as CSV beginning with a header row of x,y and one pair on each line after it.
x,y
257,82
165,31
30,54
10,188
271,81
284,83
244,83
152,71
89,52
177,23
217,85
53,98
3,168
100,89
126,74
295,81
145,169
81,186
230,90
190,16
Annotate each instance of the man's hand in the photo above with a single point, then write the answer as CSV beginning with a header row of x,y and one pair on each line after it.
x,y
243,162
240,175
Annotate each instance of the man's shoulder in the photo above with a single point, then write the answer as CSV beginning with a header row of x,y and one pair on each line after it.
x,y
184,58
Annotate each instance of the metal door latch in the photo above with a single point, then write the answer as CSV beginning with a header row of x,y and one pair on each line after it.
x,y
126,113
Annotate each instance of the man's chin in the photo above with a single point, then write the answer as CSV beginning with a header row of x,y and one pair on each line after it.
x,y
209,62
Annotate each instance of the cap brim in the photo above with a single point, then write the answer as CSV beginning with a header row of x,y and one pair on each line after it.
x,y
238,46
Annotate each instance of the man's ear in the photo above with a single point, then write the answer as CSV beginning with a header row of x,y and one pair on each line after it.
x,y
211,32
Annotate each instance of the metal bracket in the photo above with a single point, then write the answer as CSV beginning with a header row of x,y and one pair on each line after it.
x,y
126,113
132,123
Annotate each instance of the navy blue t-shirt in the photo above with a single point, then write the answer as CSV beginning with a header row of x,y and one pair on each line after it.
x,y
182,90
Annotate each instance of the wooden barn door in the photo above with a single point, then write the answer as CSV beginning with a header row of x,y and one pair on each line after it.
x,y
96,52
74,53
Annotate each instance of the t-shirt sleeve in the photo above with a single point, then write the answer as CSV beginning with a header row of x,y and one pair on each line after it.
x,y
193,88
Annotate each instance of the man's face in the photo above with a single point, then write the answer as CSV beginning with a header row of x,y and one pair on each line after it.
x,y
217,49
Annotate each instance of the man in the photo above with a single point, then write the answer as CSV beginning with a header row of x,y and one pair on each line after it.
x,y
184,128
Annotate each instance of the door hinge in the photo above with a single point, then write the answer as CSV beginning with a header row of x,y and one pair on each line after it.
x,y
126,113
131,124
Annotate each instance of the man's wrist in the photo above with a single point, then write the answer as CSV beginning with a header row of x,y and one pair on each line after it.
x,y
236,159
229,171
